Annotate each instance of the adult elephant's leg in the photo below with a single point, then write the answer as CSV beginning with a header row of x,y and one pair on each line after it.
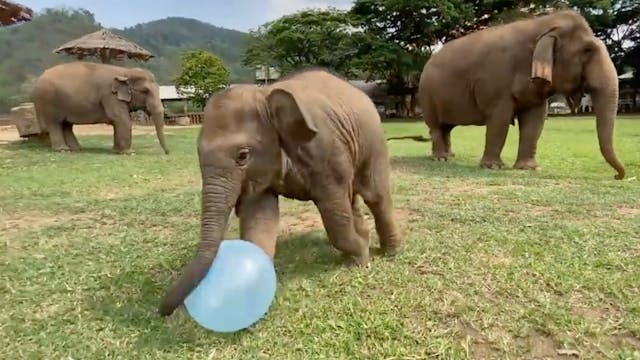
x,y
56,136
438,144
122,136
259,217
530,123
496,134
117,113
446,138
336,212
70,137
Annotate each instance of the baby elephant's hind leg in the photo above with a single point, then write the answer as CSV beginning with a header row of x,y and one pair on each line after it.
x,y
377,195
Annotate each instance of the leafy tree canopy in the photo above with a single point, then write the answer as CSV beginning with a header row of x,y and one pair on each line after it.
x,y
310,37
202,74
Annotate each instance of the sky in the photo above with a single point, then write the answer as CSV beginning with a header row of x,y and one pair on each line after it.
x,y
240,15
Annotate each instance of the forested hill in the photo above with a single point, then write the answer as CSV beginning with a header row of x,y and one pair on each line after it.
x,y
26,49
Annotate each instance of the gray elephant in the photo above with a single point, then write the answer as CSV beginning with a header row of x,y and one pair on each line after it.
x,y
494,75
310,136
89,93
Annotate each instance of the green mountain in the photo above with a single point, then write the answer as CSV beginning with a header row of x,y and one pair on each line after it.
x,y
26,49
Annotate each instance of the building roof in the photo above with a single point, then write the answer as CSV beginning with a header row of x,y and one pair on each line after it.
x,y
104,45
169,92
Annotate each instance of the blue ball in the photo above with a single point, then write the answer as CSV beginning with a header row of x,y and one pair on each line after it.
x,y
236,291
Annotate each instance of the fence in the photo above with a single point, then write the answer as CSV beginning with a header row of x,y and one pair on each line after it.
x,y
193,119
177,119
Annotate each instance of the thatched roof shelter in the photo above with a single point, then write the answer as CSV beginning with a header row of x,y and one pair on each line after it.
x,y
106,46
12,13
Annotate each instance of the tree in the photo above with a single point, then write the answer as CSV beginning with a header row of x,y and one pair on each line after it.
x,y
307,38
202,74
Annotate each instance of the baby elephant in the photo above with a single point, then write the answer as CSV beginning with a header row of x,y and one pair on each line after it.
x,y
310,136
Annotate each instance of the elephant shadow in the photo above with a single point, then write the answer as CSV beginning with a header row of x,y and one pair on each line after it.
x,y
131,305
134,294
422,165
305,254
36,147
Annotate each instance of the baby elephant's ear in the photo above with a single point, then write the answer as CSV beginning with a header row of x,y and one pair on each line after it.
x,y
290,117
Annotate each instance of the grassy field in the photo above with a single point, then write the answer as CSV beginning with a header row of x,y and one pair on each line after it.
x,y
497,264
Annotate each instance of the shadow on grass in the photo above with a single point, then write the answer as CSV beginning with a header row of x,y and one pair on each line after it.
x,y
422,165
33,146
131,297
132,306
306,255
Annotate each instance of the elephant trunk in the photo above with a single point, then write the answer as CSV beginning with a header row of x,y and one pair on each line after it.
x,y
603,80
220,192
158,120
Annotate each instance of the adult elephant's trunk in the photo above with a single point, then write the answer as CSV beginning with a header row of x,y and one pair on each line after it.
x,y
603,80
158,120
220,192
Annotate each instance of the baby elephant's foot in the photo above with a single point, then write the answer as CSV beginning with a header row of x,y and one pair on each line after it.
x,y
359,261
491,164
526,164
390,250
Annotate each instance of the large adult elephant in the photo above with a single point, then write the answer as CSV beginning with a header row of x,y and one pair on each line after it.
x,y
494,75
311,136
89,93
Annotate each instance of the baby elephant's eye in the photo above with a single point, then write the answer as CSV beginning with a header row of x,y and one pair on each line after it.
x,y
243,157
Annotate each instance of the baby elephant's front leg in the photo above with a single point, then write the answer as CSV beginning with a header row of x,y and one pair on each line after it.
x,y
259,216
337,217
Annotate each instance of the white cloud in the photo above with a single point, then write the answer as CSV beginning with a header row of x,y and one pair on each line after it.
x,y
278,8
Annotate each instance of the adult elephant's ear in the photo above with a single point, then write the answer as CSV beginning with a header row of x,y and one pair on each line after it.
x,y
290,118
120,87
542,64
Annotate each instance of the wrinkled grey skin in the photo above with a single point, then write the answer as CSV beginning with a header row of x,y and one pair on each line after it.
x,y
494,75
89,93
311,137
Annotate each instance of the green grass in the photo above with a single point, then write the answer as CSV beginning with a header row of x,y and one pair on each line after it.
x,y
497,264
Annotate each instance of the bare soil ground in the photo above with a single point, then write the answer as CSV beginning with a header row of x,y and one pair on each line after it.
x,y
10,133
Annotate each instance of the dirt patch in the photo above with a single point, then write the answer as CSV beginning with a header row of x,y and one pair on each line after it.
x,y
535,210
543,347
306,218
497,259
300,220
627,211
24,221
628,340
603,314
10,133
477,345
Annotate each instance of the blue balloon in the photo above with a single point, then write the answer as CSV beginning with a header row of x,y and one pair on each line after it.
x,y
236,291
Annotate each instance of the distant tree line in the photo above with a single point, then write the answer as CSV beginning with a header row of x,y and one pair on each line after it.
x,y
392,39
26,49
